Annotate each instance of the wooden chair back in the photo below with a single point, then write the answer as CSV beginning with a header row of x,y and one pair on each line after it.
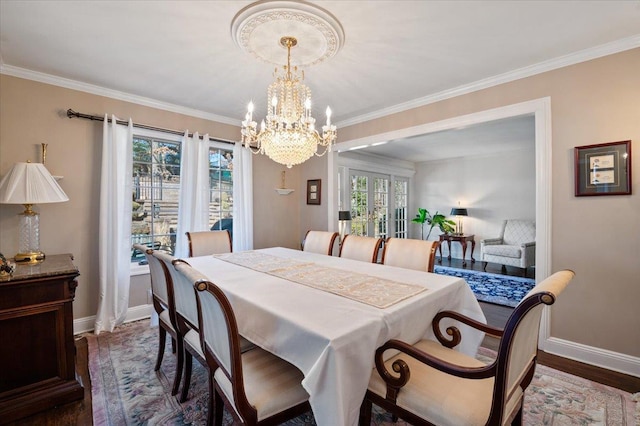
x,y
320,242
204,243
419,255
360,248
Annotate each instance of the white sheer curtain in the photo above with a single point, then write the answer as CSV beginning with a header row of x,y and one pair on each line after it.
x,y
242,199
193,208
114,233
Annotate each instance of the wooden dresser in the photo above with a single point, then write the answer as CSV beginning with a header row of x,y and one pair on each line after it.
x,y
37,351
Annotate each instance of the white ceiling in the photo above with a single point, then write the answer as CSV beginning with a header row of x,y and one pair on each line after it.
x,y
180,54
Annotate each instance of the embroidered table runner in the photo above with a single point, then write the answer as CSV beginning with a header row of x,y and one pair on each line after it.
x,y
374,291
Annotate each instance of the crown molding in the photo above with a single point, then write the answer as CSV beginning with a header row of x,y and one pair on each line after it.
x,y
109,93
560,62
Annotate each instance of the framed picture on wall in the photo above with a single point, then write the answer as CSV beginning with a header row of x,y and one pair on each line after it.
x,y
603,169
313,191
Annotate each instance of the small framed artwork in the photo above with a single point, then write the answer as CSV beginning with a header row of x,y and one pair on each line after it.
x,y
313,191
603,169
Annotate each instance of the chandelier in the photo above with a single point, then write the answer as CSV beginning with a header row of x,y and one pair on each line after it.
x,y
287,134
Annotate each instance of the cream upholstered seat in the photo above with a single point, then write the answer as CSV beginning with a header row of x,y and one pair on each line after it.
x,y
256,386
410,254
434,384
320,242
516,245
360,248
209,242
164,305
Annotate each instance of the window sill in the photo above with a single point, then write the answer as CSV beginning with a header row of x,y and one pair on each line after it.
x,y
139,269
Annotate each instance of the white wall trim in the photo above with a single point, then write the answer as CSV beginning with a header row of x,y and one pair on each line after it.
x,y
114,94
371,163
550,65
135,313
610,360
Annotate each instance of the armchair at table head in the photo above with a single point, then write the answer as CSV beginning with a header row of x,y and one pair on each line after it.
x,y
410,254
320,242
204,243
516,245
360,248
430,383
274,391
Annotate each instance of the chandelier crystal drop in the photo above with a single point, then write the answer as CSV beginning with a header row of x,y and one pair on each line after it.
x,y
287,134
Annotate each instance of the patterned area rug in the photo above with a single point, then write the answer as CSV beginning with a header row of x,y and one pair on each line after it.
x,y
492,288
126,391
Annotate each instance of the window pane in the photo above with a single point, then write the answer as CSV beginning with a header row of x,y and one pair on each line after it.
x,y
221,189
156,187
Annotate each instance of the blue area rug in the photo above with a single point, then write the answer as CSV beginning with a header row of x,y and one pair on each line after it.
x,y
493,288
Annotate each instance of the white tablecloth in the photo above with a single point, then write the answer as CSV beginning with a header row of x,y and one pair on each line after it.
x,y
330,338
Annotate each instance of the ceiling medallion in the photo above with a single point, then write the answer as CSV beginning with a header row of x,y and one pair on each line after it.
x,y
257,28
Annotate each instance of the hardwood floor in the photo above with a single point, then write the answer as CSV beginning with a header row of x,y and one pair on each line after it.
x,y
80,413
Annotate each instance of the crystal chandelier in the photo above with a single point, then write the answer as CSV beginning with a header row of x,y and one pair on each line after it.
x,y
287,134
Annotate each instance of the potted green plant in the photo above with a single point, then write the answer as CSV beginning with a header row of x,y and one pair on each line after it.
x,y
447,226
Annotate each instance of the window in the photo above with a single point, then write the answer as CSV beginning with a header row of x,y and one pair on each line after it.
x,y
401,190
221,189
156,192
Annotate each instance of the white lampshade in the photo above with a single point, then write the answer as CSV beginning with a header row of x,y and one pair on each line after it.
x,y
28,184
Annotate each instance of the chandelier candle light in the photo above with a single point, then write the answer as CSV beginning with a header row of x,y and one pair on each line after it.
x,y
287,135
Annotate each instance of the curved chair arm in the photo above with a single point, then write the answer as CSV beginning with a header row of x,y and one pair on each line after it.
x,y
454,332
401,368
491,241
529,244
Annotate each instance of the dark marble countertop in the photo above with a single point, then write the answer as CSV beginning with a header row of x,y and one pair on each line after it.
x,y
52,265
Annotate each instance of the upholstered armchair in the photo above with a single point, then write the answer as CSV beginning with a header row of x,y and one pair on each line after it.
x,y
430,383
516,245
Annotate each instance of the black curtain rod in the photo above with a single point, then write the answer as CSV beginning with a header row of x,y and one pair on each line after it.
x,y
72,114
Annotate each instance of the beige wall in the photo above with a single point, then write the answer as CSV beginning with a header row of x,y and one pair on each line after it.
x,y
598,237
592,102
32,113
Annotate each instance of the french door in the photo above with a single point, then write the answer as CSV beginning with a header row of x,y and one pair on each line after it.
x,y
369,195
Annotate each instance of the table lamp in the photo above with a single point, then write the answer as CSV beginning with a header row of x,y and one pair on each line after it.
x,y
29,184
459,212
344,216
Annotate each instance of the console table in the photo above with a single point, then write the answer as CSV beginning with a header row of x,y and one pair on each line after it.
x,y
37,355
463,240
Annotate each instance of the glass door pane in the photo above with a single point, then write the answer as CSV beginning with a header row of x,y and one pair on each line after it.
x,y
369,195
359,191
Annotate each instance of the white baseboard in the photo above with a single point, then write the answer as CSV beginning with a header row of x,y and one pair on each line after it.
x,y
610,360
83,325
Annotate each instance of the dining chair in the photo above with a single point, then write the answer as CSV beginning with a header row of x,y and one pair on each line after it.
x,y
430,383
410,254
165,261
204,243
320,242
360,248
187,322
163,304
257,387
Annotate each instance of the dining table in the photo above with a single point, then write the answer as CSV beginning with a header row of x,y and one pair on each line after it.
x,y
326,315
